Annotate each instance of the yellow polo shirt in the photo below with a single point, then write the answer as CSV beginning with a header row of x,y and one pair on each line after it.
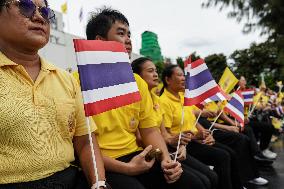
x,y
38,121
172,106
117,127
158,111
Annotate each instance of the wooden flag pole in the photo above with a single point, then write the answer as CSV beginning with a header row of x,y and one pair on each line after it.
x,y
198,118
180,133
253,107
92,150
215,120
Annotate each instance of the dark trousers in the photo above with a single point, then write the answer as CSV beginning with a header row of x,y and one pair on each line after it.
x,y
219,157
245,148
153,179
70,178
263,131
208,176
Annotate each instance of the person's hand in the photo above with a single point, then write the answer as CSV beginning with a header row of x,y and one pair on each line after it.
x,y
172,170
208,114
233,129
138,164
181,153
201,134
246,120
209,140
185,139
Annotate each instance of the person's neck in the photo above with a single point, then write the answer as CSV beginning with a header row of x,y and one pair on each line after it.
x,y
23,57
173,92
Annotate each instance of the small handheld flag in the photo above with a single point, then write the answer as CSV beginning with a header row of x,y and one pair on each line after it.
x,y
248,96
235,107
106,77
228,81
199,84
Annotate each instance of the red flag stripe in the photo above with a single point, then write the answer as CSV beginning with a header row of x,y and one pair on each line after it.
x,y
197,63
201,98
98,45
111,103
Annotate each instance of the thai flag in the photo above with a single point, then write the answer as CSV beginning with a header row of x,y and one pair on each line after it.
x,y
200,84
248,96
220,96
106,77
279,110
235,107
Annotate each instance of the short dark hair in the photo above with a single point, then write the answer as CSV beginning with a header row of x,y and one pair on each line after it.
x,y
168,72
137,64
101,22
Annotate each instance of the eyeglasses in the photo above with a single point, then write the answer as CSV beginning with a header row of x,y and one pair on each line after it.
x,y
28,8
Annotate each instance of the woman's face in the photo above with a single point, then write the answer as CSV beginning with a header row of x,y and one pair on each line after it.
x,y
177,81
29,34
149,74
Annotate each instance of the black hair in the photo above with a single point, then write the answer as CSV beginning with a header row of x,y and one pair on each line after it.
x,y
101,22
168,72
137,64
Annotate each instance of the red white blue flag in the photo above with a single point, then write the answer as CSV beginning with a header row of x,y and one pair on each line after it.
x,y
248,96
199,84
106,78
235,107
220,96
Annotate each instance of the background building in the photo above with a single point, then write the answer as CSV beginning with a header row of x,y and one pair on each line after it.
x,y
150,46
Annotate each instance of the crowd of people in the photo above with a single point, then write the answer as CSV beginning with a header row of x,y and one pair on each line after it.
x,y
44,140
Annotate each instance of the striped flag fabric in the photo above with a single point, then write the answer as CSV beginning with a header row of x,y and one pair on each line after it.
x,y
220,96
248,96
235,107
106,78
199,84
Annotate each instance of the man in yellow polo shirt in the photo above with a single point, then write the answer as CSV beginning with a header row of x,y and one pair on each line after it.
x,y
125,163
42,121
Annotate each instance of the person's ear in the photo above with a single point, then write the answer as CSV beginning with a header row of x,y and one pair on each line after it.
x,y
168,80
98,37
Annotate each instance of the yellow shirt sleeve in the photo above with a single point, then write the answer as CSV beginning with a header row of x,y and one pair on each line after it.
x,y
146,114
81,122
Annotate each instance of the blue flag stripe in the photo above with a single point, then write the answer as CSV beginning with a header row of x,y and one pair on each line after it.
x,y
199,80
94,76
234,102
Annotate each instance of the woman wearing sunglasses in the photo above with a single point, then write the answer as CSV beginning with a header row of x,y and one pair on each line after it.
x,y
42,122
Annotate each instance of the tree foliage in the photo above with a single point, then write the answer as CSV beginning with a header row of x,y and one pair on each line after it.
x,y
180,60
258,59
216,64
267,15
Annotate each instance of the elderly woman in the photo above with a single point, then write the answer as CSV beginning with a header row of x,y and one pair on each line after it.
x,y
42,119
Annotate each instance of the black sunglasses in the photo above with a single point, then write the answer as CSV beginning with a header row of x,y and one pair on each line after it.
x,y
28,8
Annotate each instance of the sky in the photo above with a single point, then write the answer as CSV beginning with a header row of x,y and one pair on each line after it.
x,y
182,26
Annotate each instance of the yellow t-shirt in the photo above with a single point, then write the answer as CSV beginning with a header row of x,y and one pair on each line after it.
x,y
38,121
172,106
117,127
158,111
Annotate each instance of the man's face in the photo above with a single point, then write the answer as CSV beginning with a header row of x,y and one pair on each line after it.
x,y
120,32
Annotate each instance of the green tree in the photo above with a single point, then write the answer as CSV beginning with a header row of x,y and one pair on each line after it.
x,y
258,59
160,67
266,15
216,64
180,60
